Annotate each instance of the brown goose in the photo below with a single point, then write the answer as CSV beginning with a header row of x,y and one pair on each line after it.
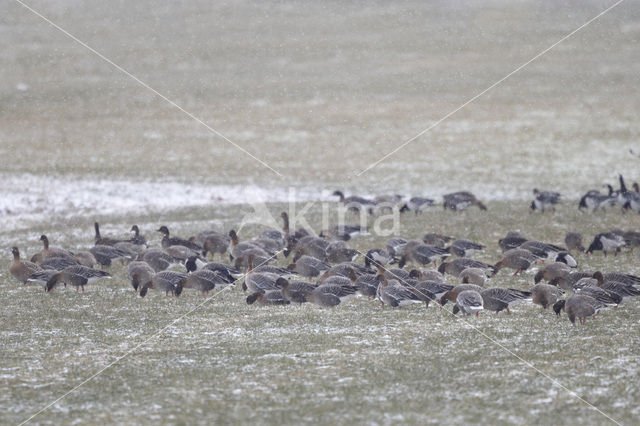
x,y
578,306
468,302
545,295
452,294
573,240
552,271
477,276
518,259
139,273
458,201
19,269
100,240
271,297
48,252
168,240
77,276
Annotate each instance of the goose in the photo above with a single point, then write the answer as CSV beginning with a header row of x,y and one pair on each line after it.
x,y
420,253
396,246
367,285
205,281
129,247
168,240
105,254
167,281
429,275
545,295
377,256
544,199
469,302
387,202
624,290
338,252
48,252
77,276
213,242
238,249
631,239
428,290
464,248
578,306
41,276
295,291
542,250
308,266
628,279
137,239
497,299
606,241
342,292
139,272
567,259
511,240
477,276
456,266
628,199
86,258
603,296
395,274
182,253
260,258
417,204
59,263
518,259
269,245
573,240
451,295
322,298
354,203
21,270
594,200
297,234
271,297
568,281
310,246
434,239
99,240
394,294
551,271
458,201
259,281
345,232
224,271
346,270
159,260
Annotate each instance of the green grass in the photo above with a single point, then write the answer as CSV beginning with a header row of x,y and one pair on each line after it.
x,y
227,362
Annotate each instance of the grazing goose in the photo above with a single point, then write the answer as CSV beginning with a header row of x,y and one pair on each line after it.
x,y
260,258
367,285
338,252
167,281
20,270
452,294
429,275
86,258
394,294
422,254
139,272
567,259
417,204
497,299
308,266
377,256
544,199
594,200
567,282
395,274
345,232
77,276
105,254
271,297
606,242
542,250
396,246
468,302
464,248
49,252
214,242
168,240
551,271
159,260
259,281
477,276
578,306
628,279
434,239
458,201
354,203
310,246
619,287
182,253
237,249
59,263
545,295
456,266
573,240
341,291
225,271
133,250
518,259
205,280
322,298
99,240
296,234
603,296
428,290
511,240
295,291
42,276
137,239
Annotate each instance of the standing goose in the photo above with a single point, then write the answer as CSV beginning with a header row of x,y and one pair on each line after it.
x,y
49,252
21,270
105,254
137,238
497,299
205,281
159,260
295,291
308,266
422,254
86,258
458,201
475,276
434,239
545,295
377,256
168,240
394,294
417,204
77,276
367,285
624,290
518,259
297,234
354,203
578,306
456,266
452,294
237,249
512,240
310,246
552,271
167,281
469,302
271,297
214,242
59,263
396,246
607,241
100,240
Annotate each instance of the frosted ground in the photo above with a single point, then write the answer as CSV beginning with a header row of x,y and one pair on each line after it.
x,y
319,92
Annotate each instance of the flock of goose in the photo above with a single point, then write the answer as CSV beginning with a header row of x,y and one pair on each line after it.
x,y
323,270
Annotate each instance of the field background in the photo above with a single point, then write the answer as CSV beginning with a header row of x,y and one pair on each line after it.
x,y
319,92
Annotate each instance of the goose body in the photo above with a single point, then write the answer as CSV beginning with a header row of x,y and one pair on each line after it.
x,y
271,297
545,295
456,266
573,240
469,302
464,248
544,200
458,201
139,273
77,276
167,281
308,266
497,299
159,260
606,242
417,204
19,269
168,240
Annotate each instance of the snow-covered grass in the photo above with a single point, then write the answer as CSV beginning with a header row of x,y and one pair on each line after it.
x,y
228,362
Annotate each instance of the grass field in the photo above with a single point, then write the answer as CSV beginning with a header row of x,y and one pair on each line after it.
x,y
196,360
